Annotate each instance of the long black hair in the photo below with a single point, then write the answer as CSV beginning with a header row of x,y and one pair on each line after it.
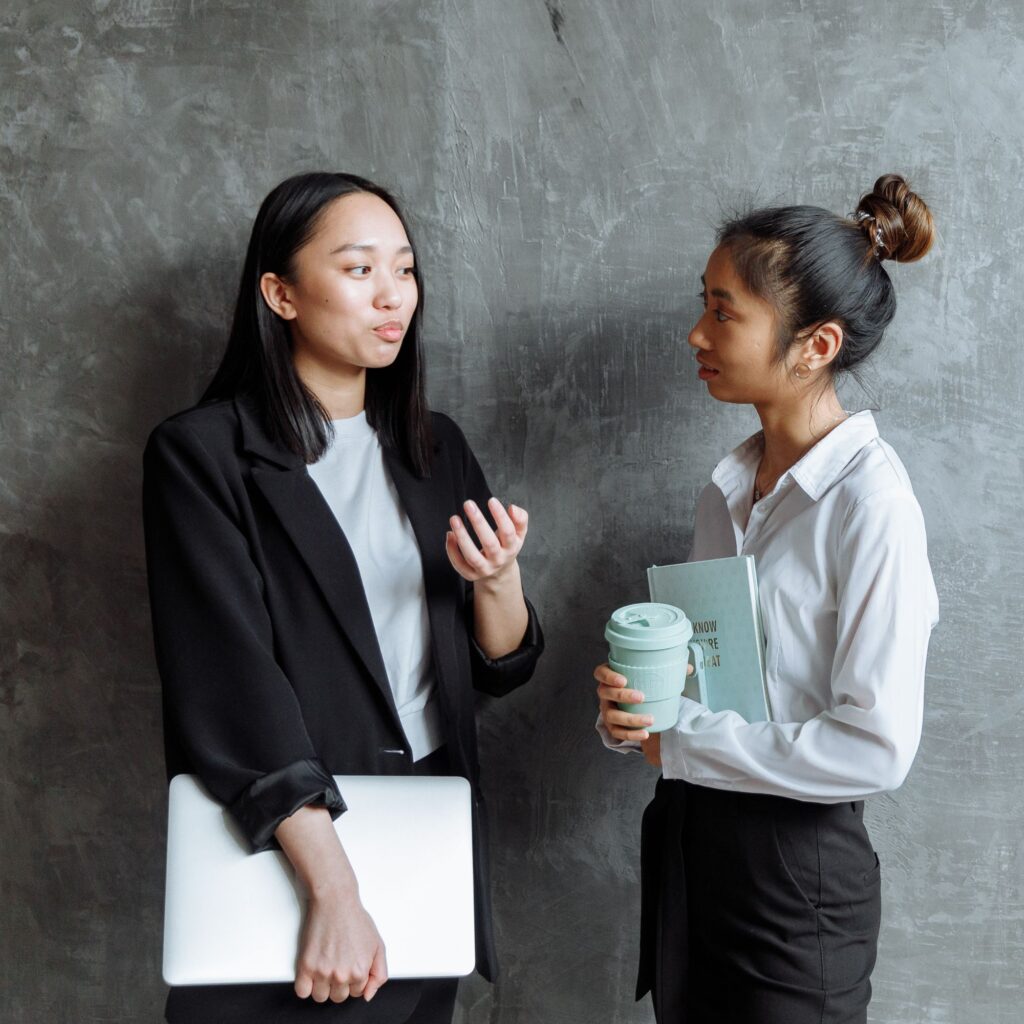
x,y
258,360
814,266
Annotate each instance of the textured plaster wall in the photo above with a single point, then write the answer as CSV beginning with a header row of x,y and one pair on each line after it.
x,y
565,165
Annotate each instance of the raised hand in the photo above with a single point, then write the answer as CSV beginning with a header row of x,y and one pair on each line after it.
x,y
498,547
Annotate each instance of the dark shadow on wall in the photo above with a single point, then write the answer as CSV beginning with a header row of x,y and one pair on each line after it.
x,y
82,722
587,431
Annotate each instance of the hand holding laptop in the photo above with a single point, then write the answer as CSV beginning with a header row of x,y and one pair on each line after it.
x,y
233,916
341,953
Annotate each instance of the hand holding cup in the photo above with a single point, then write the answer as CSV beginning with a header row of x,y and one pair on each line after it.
x,y
613,689
649,657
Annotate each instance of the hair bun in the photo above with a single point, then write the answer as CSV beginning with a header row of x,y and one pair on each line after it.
x,y
896,221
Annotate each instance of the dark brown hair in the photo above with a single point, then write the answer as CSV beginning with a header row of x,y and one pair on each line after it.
x,y
814,266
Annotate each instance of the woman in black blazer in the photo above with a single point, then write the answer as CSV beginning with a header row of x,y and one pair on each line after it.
x,y
272,669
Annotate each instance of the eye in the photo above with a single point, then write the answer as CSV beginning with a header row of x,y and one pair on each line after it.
x,y
360,271
407,271
719,315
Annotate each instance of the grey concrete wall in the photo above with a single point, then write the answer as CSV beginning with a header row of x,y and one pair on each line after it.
x,y
565,164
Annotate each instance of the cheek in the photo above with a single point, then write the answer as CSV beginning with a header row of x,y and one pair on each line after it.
x,y
749,352
339,296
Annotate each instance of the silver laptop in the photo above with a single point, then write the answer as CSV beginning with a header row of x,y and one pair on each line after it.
x,y
232,916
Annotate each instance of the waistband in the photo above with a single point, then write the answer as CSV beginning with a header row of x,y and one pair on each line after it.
x,y
710,802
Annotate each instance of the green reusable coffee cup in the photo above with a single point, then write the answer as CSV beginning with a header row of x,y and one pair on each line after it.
x,y
650,645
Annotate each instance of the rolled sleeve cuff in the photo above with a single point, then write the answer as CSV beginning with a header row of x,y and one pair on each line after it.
x,y
498,676
264,804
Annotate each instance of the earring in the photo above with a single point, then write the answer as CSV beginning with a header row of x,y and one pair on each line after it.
x,y
801,371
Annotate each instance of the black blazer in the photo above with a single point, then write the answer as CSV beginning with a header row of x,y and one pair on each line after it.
x,y
272,677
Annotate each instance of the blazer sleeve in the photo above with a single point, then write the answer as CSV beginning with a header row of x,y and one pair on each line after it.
x,y
495,676
227,704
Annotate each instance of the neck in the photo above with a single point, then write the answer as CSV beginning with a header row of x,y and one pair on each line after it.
x,y
342,392
792,428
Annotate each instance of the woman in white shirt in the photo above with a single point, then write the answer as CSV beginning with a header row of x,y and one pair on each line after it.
x,y
761,890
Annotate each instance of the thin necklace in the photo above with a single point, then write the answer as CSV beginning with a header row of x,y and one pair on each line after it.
x,y
758,493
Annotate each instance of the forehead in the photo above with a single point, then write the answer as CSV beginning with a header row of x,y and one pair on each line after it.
x,y
722,279
720,273
360,218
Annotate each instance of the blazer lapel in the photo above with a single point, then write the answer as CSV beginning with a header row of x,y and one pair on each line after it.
x,y
306,517
427,507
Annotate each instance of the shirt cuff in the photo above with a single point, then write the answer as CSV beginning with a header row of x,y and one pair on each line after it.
x,y
264,804
673,742
621,746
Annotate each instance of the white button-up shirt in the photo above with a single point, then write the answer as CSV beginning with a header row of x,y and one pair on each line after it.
x,y
848,605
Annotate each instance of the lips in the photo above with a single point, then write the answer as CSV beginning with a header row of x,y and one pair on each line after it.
x,y
706,372
392,330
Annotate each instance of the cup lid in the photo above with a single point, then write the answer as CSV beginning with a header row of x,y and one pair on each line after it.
x,y
648,625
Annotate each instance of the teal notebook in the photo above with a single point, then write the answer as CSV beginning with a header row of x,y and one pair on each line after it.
x,y
720,598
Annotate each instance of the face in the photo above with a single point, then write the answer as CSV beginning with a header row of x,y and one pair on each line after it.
x,y
351,294
735,338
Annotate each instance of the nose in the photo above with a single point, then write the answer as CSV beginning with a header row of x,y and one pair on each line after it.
x,y
389,295
696,337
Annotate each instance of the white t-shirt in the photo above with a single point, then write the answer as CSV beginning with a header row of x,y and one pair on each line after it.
x,y
355,483
848,605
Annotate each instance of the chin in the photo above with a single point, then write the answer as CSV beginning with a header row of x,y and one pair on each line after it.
x,y
731,396
720,393
383,358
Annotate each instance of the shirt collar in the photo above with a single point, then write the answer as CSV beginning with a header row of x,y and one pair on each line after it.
x,y
814,473
820,467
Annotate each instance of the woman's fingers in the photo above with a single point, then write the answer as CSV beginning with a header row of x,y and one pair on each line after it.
x,y
630,735
469,551
340,949
511,524
504,527
521,518
459,564
489,543
606,675
324,984
626,726
498,545
614,686
340,992
624,720
321,989
614,689
620,695
378,973
622,725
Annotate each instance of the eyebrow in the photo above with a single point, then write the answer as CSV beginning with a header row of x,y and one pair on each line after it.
x,y
367,247
719,293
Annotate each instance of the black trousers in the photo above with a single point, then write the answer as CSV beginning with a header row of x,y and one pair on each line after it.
x,y
756,909
397,1002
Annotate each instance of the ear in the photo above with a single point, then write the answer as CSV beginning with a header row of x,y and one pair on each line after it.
x,y
820,347
276,295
